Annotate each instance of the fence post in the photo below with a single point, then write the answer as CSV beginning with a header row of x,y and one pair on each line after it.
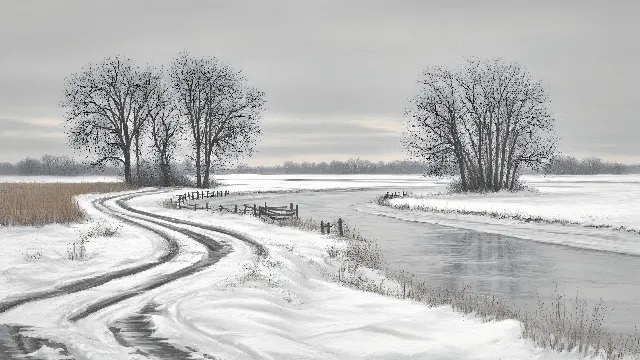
x,y
236,209
207,205
290,206
340,227
195,207
179,206
254,210
297,212
322,227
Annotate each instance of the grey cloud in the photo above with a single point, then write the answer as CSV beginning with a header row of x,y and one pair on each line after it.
x,y
14,148
327,128
336,59
21,125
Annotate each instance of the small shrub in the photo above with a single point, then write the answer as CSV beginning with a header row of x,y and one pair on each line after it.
x,y
76,250
169,204
104,230
33,254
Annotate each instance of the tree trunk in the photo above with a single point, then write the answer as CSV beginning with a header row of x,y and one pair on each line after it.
x,y
496,159
207,166
480,169
137,157
198,166
489,170
165,172
504,154
127,167
513,176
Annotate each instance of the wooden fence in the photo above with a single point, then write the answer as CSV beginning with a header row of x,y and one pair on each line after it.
x,y
394,195
271,212
197,195
325,227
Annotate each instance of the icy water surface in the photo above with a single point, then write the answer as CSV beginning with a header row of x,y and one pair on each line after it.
x,y
505,266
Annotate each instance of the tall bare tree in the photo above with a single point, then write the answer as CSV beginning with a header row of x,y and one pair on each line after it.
x,y
106,105
486,120
220,110
166,129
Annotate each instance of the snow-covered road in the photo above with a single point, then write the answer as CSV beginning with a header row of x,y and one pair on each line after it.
x,y
179,259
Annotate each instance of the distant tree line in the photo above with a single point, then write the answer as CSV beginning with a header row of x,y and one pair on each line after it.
x,y
351,166
136,117
52,165
569,165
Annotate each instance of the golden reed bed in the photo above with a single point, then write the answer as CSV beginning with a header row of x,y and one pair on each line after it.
x,y
36,204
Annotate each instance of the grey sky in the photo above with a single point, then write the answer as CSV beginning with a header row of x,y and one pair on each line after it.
x,y
337,74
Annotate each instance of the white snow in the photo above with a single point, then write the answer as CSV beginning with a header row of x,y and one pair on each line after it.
x,y
580,211
35,258
606,201
285,306
252,182
288,306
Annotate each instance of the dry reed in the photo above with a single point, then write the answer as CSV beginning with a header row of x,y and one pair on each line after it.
x,y
33,204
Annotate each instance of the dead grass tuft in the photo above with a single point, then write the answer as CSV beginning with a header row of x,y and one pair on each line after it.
x,y
32,204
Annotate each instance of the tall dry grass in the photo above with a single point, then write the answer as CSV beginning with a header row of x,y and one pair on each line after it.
x,y
33,204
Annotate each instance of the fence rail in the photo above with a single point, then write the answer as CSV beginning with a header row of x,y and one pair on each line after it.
x,y
325,227
395,195
197,195
273,212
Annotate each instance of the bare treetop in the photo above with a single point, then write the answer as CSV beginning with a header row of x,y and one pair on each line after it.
x,y
484,121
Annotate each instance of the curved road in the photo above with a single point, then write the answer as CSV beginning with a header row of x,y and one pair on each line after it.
x,y
14,344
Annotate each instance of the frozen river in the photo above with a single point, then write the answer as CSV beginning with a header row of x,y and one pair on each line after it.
x,y
508,267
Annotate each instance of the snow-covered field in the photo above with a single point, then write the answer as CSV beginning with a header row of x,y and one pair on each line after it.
x,y
595,201
286,305
601,208
33,259
250,182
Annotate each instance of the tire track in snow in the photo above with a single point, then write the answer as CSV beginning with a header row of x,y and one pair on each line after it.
x,y
136,331
215,251
91,282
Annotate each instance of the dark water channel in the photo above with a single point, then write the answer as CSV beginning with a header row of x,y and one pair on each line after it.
x,y
514,269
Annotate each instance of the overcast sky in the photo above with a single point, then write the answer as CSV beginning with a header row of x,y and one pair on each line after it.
x,y
337,74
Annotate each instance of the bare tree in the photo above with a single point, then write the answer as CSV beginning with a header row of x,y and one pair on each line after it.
x,y
486,121
166,129
220,110
106,110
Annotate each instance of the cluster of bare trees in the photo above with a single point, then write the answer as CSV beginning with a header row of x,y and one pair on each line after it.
x,y
47,165
484,121
121,112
